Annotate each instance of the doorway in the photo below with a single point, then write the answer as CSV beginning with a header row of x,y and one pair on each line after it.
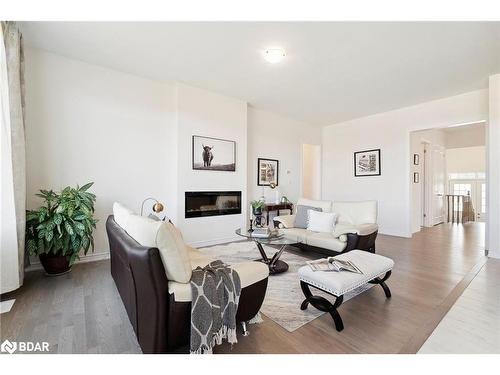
x,y
448,170
448,161
311,171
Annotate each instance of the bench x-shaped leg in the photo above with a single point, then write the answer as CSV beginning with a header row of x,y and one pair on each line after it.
x,y
381,282
323,304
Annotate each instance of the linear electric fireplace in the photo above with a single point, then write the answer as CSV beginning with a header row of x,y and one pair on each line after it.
x,y
212,203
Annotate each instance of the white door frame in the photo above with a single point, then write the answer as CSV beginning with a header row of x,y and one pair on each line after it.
x,y
438,217
427,185
422,213
482,216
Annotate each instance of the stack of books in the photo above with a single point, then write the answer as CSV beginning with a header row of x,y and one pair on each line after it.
x,y
263,232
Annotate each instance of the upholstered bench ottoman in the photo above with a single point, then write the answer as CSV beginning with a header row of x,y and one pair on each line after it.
x,y
376,270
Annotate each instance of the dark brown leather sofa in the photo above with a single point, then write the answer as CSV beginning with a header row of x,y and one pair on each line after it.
x,y
161,324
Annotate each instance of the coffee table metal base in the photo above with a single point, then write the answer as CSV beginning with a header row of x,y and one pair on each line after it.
x,y
275,264
278,267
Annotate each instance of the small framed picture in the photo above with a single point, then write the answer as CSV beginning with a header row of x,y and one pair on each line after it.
x,y
416,177
267,171
367,163
416,159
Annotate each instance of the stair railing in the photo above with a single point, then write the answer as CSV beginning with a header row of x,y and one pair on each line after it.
x,y
460,208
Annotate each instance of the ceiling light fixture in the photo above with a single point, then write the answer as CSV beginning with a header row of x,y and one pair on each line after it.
x,y
274,55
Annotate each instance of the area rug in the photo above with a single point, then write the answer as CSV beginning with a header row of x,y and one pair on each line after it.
x,y
284,296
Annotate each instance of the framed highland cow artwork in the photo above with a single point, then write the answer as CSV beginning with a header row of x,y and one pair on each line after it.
x,y
367,163
214,154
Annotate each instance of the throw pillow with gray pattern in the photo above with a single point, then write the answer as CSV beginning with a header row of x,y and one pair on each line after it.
x,y
301,216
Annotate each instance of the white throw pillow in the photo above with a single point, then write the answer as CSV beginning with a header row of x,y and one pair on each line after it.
x,y
168,239
323,222
121,214
143,229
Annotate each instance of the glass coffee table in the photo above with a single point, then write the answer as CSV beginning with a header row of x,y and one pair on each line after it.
x,y
274,263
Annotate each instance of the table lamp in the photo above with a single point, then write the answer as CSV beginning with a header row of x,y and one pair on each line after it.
x,y
274,186
157,207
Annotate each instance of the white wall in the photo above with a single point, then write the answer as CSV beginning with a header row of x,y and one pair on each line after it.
x,y
87,123
132,137
276,137
201,112
466,159
389,131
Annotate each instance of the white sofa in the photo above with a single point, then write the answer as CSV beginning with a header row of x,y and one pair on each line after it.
x,y
356,227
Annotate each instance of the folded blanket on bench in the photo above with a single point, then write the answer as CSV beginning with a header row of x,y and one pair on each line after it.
x,y
216,292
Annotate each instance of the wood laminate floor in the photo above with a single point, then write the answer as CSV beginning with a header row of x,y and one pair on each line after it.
x,y
472,326
81,312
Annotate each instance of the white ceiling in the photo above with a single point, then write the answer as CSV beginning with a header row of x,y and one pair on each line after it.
x,y
333,71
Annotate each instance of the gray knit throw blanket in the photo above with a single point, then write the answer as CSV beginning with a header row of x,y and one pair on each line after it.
x,y
216,290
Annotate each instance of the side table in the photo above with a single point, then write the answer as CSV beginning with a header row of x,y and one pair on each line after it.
x,y
269,207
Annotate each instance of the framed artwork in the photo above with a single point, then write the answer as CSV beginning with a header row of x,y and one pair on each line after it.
x,y
267,171
416,177
416,159
214,154
367,163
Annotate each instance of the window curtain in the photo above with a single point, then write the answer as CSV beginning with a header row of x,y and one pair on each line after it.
x,y
12,150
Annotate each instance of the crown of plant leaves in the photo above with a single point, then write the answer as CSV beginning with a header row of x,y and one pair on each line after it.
x,y
64,224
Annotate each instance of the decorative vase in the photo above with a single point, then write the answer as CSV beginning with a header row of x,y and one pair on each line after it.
x,y
257,211
55,265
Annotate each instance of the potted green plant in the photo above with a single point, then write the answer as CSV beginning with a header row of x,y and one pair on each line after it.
x,y
61,227
257,206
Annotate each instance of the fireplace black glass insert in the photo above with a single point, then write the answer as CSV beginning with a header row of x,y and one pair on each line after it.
x,y
212,203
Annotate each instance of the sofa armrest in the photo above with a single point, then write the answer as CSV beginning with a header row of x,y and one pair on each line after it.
x,y
284,221
360,229
143,286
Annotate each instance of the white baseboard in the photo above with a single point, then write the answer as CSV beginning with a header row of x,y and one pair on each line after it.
x,y
36,265
494,254
216,241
